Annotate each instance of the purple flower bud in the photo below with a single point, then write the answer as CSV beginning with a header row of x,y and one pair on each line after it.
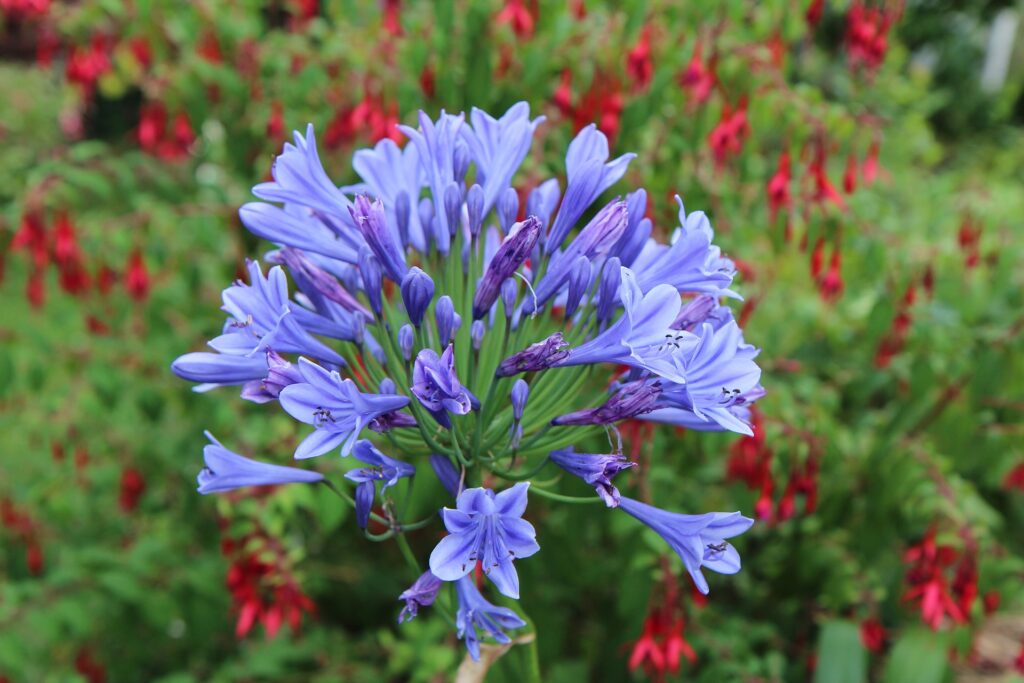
x,y
387,386
406,339
510,255
417,292
369,268
608,291
460,161
694,312
372,222
476,334
437,386
444,313
631,399
475,209
446,474
542,200
453,207
316,278
596,470
520,392
632,242
365,492
420,594
579,281
509,290
508,207
425,209
402,215
280,374
536,357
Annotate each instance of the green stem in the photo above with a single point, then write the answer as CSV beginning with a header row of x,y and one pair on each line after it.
x,y
564,499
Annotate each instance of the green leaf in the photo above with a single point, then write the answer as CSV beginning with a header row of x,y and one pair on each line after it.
x,y
919,656
841,655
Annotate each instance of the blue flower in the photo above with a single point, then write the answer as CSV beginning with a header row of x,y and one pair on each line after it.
x,y
299,178
596,470
699,540
589,173
226,470
437,386
421,593
395,177
490,529
691,263
498,146
382,469
476,613
216,369
535,357
510,255
296,227
643,337
446,473
435,143
630,400
280,373
262,318
372,222
335,407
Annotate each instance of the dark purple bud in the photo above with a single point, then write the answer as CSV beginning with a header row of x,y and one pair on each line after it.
x,y
476,334
508,208
369,268
446,474
364,502
444,313
402,214
509,290
602,232
596,470
420,594
520,392
536,357
694,312
608,290
453,207
280,373
475,209
632,399
372,222
417,292
460,161
510,255
316,278
406,340
579,281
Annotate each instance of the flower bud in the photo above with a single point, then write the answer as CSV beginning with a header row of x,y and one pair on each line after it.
x,y
446,474
402,209
539,356
460,161
509,290
373,225
387,386
406,339
425,209
520,392
417,292
694,312
476,334
579,281
510,255
608,291
445,315
475,209
453,207
508,207
369,268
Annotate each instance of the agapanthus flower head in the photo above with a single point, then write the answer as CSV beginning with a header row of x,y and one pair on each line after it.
x,y
422,309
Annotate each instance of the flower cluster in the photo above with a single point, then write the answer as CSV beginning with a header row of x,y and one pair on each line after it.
x,y
477,331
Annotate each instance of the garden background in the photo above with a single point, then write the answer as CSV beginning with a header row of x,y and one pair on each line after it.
x,y
863,163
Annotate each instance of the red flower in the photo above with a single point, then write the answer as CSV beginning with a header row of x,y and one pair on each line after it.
x,y
727,137
31,235
823,190
35,288
927,583
872,634
1018,662
392,17
831,284
647,650
1015,478
91,670
867,35
778,187
132,487
428,81
275,124
65,245
516,14
562,99
152,125
698,79
869,169
638,61
136,277
814,12
850,176
34,558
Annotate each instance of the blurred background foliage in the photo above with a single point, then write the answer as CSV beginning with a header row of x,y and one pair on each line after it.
x,y
881,270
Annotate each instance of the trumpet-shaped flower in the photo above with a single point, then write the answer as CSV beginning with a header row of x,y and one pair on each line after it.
x,y
226,470
476,613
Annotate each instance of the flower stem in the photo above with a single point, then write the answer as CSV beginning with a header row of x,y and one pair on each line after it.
x,y
564,499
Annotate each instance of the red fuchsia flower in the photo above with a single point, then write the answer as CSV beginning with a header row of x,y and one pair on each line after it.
x,y
31,235
817,258
850,175
65,245
139,48
35,288
392,21
428,81
787,504
47,46
86,64
928,281
638,61
105,279
208,48
872,634
304,10
778,187
831,284
965,584
869,167
89,668
1018,662
814,12
24,9
927,583
562,99
1015,478
275,124
823,191
867,31
136,277
726,139
698,79
662,644
152,125
518,16
750,457
133,485
990,601
895,339
969,238
604,96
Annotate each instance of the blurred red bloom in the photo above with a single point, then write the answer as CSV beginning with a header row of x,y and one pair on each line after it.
x,y
136,277
778,187
132,487
698,79
638,61
927,583
1015,478
872,634
518,16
